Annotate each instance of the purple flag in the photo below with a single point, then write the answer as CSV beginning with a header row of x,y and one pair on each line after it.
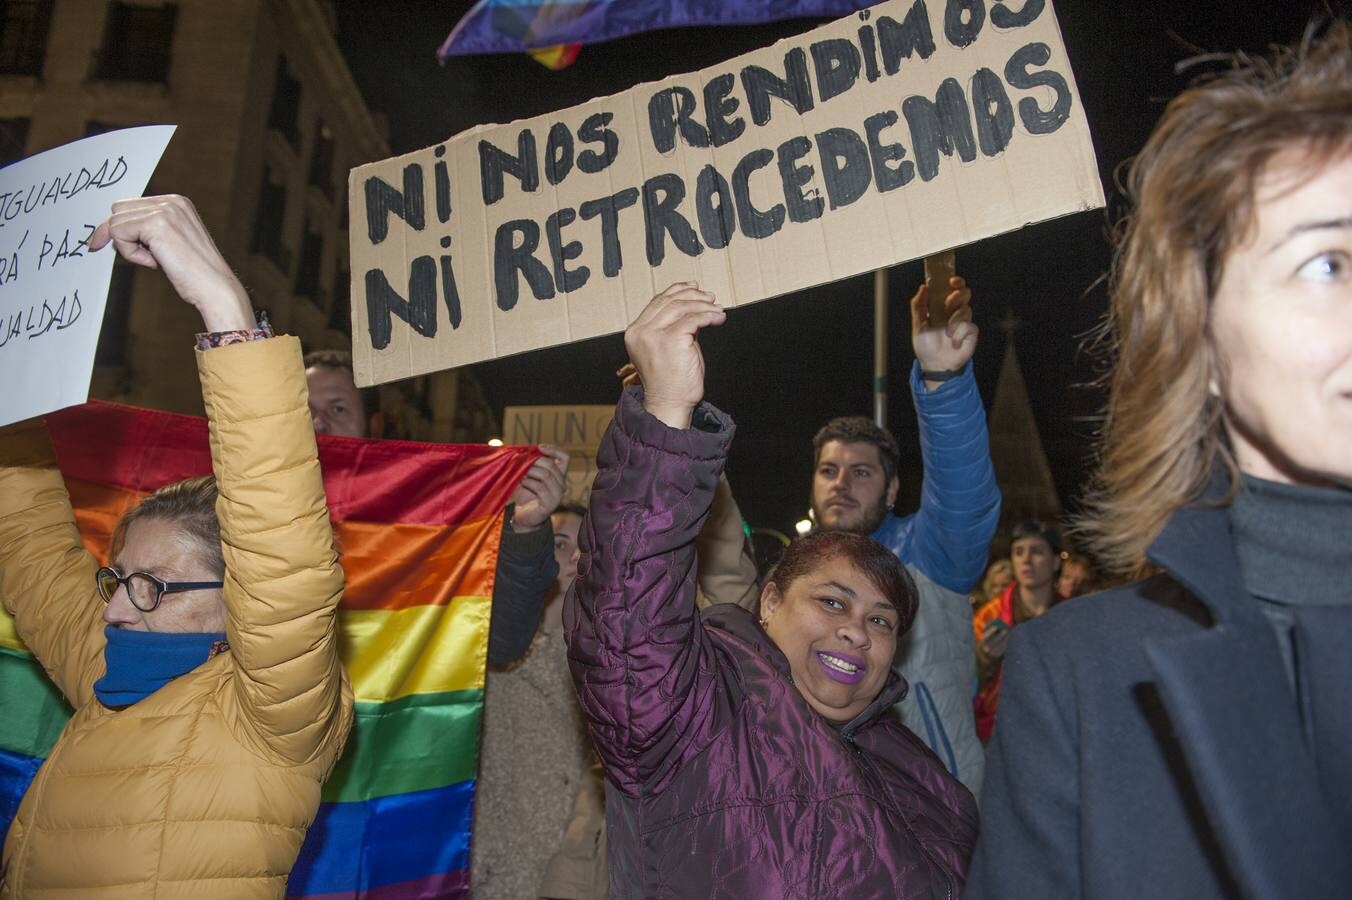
x,y
516,26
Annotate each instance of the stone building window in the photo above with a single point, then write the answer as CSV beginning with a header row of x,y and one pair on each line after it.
x,y
268,222
311,257
285,114
321,160
23,35
137,42
13,138
340,312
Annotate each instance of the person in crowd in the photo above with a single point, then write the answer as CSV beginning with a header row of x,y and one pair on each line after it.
x,y
944,544
535,752
1078,576
725,572
743,757
1186,735
998,576
202,663
526,568
1035,557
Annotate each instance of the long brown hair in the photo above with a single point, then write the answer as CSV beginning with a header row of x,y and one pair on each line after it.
x,y
1192,192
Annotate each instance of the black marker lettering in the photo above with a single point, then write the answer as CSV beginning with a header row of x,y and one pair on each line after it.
x,y
716,222
762,84
558,153
493,162
943,126
560,253
1017,74
963,20
837,63
509,258
845,165
662,196
1001,17
753,222
608,208
419,310
802,207
993,112
594,131
719,104
671,109
899,40
382,199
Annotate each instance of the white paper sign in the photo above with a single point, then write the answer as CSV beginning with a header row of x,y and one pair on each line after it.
x,y
52,289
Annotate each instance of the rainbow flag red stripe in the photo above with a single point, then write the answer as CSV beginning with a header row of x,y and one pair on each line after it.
x,y
418,526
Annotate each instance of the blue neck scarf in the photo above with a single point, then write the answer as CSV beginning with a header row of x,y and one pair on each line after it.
x,y
141,662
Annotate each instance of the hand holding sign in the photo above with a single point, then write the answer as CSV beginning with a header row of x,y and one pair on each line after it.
x,y
947,347
166,233
664,347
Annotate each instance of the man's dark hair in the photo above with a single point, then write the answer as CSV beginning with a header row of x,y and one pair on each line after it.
x,y
576,509
859,430
878,564
341,359
1035,529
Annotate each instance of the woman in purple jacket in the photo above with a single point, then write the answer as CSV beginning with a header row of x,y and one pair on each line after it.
x,y
744,758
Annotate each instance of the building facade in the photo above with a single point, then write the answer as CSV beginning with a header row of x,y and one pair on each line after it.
x,y
269,122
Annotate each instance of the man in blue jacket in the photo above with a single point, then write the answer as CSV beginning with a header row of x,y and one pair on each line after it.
x,y
945,543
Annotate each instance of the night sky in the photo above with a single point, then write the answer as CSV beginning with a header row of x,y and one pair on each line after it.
x,y
783,367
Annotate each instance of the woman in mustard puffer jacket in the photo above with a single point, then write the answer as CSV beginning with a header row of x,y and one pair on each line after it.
x,y
202,662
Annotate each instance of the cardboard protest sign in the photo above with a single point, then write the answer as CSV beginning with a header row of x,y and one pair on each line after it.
x,y
52,290
905,129
575,429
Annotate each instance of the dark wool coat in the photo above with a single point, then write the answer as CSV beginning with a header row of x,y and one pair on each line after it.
x,y
721,780
1150,744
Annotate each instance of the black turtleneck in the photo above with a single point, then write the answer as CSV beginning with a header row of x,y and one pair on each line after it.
x,y
1294,544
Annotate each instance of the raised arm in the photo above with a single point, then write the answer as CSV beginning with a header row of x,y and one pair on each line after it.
x,y
282,579
46,575
637,651
526,565
950,535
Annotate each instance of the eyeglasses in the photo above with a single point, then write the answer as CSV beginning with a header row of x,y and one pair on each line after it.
x,y
144,590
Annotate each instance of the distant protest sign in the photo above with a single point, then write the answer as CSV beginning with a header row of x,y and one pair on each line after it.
x,y
575,429
52,290
905,129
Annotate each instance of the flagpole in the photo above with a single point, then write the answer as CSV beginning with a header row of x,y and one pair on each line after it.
x,y
880,347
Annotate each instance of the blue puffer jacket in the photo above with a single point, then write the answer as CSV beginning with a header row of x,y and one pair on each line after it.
x,y
944,545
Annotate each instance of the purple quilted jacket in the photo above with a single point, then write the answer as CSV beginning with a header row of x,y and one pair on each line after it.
x,y
722,781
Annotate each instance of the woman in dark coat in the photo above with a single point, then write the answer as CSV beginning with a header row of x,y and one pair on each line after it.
x,y
744,758
1187,735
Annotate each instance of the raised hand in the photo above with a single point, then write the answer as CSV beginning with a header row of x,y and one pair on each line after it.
x,y
166,233
540,491
947,347
664,347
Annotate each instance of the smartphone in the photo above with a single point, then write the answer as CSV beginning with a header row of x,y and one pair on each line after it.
x,y
938,269
994,627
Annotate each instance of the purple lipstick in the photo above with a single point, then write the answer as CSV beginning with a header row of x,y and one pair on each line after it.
x,y
842,667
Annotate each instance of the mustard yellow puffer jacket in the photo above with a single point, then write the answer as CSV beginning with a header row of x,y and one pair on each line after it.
x,y
206,787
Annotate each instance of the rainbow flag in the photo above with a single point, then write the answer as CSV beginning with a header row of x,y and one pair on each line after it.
x,y
418,526
519,26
